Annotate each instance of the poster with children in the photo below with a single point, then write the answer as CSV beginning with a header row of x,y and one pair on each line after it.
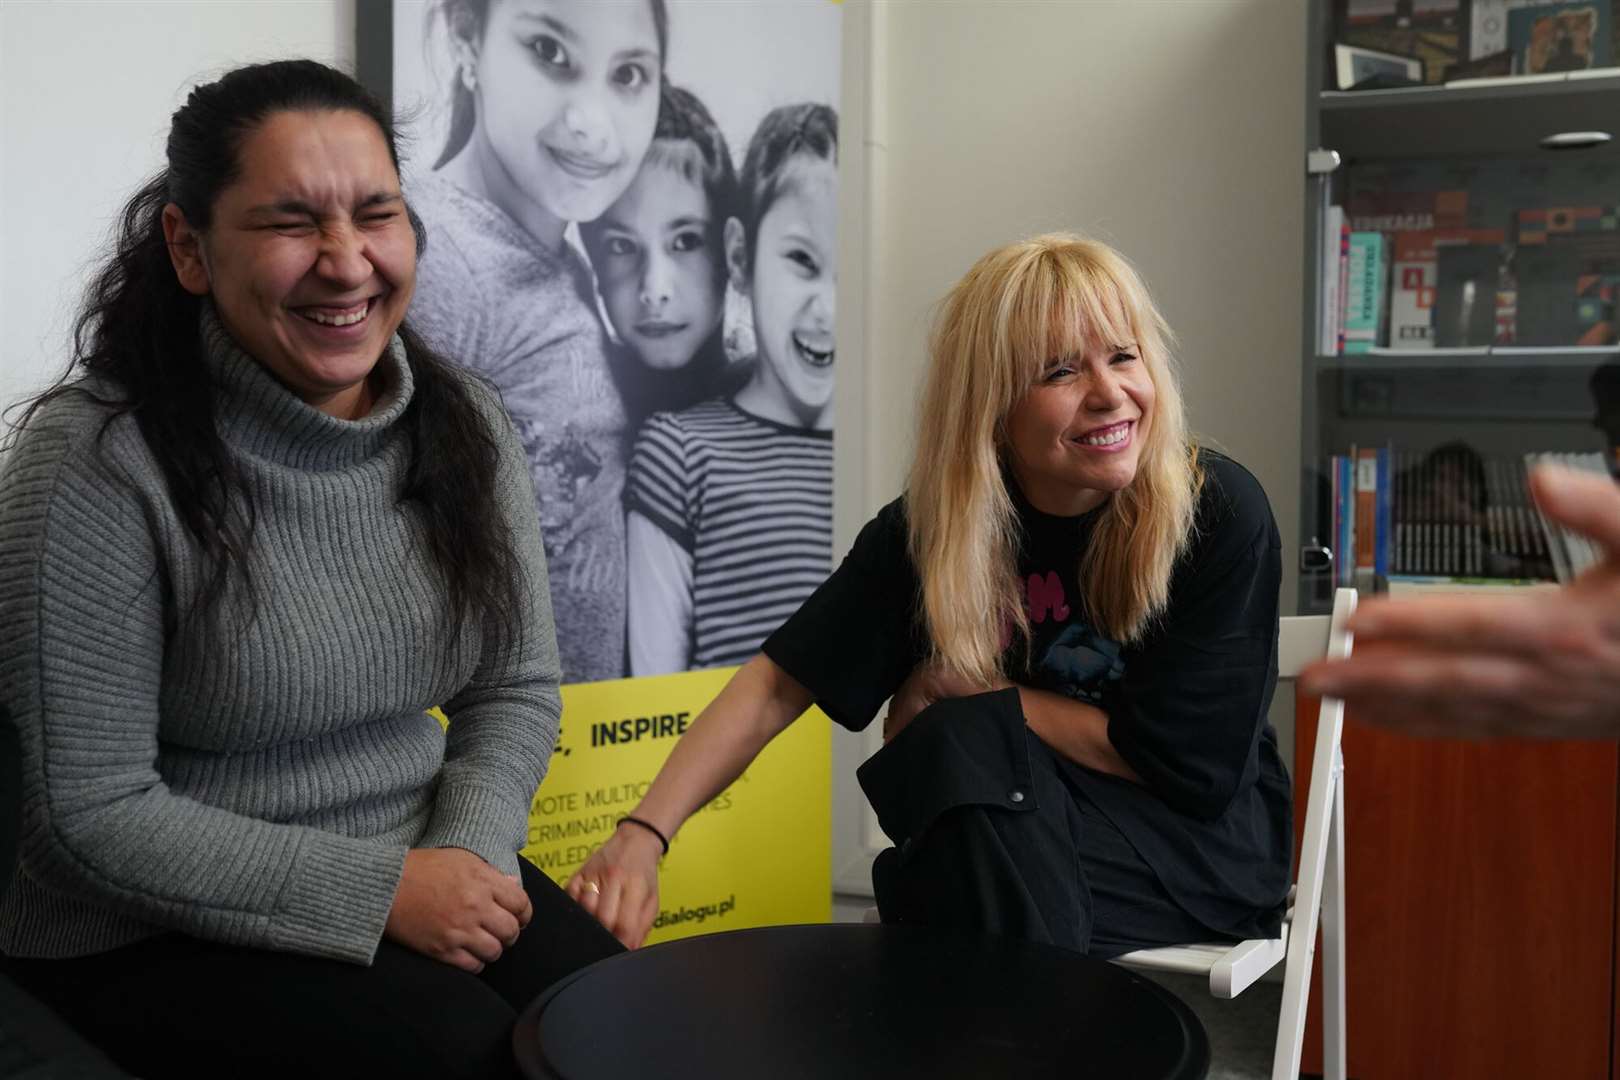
x,y
631,215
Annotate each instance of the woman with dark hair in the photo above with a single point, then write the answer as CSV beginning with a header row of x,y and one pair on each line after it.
x,y
553,105
251,537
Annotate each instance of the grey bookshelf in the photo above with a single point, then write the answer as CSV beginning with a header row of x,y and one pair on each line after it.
x,y
1506,399
1504,117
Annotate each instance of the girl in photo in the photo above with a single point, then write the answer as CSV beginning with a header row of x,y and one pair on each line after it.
x,y
730,501
553,108
659,257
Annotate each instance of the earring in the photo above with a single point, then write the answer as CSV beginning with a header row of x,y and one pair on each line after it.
x,y
468,79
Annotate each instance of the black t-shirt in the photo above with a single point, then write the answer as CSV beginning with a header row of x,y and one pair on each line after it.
x,y
1186,704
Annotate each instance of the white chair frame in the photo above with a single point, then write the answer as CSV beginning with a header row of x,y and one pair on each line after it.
x,y
1317,898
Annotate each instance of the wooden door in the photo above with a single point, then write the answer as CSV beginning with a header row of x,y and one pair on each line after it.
x,y
1480,893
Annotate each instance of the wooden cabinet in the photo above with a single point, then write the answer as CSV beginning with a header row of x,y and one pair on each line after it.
x,y
1481,900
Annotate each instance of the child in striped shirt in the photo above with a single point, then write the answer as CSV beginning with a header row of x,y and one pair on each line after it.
x,y
730,501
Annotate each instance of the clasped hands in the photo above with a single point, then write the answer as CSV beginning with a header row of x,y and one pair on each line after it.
x,y
454,907
929,683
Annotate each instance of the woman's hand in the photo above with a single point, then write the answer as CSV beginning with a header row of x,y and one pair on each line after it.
x,y
1544,664
619,884
928,683
456,908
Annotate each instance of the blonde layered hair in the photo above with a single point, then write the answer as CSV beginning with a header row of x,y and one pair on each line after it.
x,y
1017,309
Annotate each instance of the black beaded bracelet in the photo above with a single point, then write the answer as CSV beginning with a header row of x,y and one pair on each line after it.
x,y
649,826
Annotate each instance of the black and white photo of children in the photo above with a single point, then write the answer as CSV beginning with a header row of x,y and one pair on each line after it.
x,y
631,233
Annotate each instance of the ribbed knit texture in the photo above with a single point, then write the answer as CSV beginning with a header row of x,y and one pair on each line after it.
x,y
256,780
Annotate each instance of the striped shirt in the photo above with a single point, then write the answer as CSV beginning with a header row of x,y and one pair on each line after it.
x,y
751,501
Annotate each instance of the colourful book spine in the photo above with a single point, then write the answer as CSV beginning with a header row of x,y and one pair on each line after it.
x,y
1344,287
1366,465
1385,504
1347,521
1364,303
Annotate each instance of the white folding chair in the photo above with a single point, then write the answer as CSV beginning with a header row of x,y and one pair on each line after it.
x,y
1318,893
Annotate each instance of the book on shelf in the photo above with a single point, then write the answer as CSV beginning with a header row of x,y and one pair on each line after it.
x,y
1335,248
1451,515
1553,37
1366,290
1485,252
1416,284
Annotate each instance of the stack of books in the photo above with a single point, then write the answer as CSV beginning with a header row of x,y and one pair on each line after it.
x,y
1450,517
1490,261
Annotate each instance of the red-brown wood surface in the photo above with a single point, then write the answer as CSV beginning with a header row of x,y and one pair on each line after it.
x,y
1480,883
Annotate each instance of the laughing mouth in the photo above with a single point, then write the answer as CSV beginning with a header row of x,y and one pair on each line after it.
x,y
581,166
657,329
817,358
337,316
1112,435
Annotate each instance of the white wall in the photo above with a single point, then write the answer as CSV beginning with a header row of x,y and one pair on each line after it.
x,y
1174,131
86,91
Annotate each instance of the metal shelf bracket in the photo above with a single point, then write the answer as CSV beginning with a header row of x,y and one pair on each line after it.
x,y
1321,161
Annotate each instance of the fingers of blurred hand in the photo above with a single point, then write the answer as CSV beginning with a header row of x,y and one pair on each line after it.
x,y
1516,625
1587,502
1469,695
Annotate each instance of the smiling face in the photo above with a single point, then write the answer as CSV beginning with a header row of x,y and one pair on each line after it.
x,y
793,285
310,258
567,94
659,267
1077,435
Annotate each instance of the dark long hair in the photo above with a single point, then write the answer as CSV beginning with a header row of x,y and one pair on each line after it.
x,y
138,337
465,19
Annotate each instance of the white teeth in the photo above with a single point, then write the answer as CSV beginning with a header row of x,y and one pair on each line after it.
x,y
336,320
818,357
1118,435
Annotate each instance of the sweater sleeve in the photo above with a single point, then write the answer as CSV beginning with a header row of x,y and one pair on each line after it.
x,y
81,661
1194,698
504,722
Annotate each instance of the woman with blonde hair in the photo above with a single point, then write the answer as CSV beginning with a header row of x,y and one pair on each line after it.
x,y
1073,615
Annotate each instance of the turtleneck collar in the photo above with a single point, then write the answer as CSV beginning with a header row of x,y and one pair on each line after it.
x,y
263,419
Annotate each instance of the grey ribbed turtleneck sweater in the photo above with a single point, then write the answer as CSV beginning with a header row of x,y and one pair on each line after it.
x,y
257,784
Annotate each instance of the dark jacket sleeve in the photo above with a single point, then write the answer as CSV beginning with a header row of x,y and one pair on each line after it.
x,y
1193,701
854,640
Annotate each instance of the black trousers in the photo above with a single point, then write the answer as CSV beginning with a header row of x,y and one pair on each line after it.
x,y
993,837
177,1006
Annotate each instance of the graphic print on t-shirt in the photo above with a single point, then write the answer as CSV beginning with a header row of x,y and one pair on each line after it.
x,y
1076,660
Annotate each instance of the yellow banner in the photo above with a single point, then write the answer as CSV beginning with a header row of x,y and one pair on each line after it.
x,y
759,854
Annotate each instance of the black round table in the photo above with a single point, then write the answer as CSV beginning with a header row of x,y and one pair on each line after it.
x,y
847,1001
